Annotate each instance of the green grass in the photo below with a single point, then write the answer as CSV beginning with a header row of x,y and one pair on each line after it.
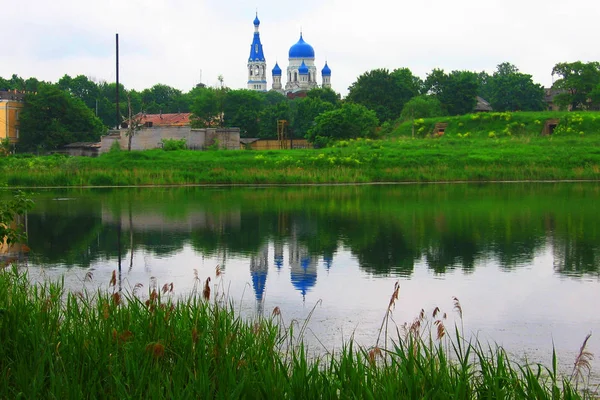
x,y
475,147
56,344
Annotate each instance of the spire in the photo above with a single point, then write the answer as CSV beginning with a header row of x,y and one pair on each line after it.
x,y
256,50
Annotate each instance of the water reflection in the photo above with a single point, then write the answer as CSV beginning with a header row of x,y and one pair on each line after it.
x,y
386,228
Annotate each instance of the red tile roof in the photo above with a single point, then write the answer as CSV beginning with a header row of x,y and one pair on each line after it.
x,y
178,119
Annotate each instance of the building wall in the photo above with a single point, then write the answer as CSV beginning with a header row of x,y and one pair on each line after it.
x,y
9,119
274,144
151,138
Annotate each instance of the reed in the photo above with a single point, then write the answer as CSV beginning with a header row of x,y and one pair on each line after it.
x,y
57,344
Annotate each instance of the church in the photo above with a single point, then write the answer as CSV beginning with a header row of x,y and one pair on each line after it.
x,y
301,74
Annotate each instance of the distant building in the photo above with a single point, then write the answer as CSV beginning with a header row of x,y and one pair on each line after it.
x,y
482,105
301,72
11,104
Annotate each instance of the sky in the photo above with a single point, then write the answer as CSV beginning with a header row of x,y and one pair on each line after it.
x,y
181,42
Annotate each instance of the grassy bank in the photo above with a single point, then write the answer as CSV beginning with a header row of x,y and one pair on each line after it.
x,y
64,345
478,147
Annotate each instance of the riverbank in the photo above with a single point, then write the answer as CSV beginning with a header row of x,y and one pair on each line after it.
x,y
75,345
401,159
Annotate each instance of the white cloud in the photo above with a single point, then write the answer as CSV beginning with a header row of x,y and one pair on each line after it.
x,y
171,41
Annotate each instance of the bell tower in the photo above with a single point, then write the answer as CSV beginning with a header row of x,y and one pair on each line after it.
x,y
257,65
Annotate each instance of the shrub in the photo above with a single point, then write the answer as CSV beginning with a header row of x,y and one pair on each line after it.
x,y
174,144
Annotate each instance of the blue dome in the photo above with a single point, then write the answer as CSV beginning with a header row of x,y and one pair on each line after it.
x,y
303,69
302,50
256,21
276,70
326,71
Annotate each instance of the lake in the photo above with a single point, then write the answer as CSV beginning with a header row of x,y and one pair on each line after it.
x,y
522,258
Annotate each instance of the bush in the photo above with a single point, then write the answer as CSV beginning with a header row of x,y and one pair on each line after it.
x,y
174,144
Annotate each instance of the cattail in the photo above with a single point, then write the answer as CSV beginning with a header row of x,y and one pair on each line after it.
x,y
394,295
105,311
194,335
583,360
457,307
206,291
88,276
113,279
157,349
373,353
276,312
125,336
137,287
116,298
165,288
435,311
218,270
171,288
441,329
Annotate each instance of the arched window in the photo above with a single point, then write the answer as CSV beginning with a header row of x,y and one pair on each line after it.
x,y
295,77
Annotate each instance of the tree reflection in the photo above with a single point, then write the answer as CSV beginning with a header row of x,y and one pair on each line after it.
x,y
388,229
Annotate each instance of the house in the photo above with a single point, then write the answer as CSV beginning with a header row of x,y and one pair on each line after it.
x,y
549,95
11,104
482,105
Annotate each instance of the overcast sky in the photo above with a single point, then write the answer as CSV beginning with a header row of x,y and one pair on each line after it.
x,y
179,42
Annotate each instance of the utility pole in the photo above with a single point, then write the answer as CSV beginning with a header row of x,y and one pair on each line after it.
x,y
117,110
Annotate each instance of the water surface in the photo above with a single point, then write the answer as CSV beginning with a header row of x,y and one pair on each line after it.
x,y
523,259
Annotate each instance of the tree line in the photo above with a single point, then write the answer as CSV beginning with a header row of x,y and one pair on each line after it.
x,y
81,109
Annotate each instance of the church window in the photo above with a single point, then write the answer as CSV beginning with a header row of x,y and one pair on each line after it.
x,y
256,48
295,77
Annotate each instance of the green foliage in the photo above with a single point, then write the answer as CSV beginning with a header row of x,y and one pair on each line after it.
x,y
52,118
207,106
173,144
162,98
325,94
115,147
509,90
385,92
241,109
5,147
457,91
10,230
304,111
348,121
578,85
269,116
422,107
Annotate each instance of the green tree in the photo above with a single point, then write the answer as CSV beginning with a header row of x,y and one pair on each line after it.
x,y
424,106
107,104
82,88
241,109
456,91
9,211
578,82
385,92
165,99
268,117
53,118
272,97
207,106
511,90
303,113
348,121
325,94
